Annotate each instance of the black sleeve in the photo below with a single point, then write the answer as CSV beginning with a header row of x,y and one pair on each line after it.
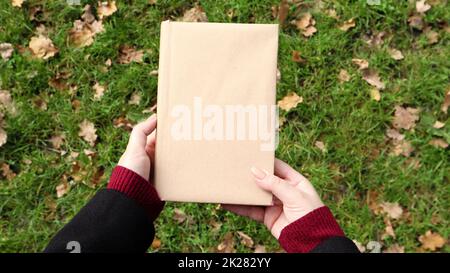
x,y
110,222
336,245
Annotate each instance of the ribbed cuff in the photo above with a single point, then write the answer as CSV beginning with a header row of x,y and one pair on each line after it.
x,y
306,233
137,188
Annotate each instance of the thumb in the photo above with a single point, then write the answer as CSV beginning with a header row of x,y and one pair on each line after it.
x,y
138,137
283,189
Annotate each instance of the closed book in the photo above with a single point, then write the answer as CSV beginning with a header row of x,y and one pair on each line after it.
x,y
216,111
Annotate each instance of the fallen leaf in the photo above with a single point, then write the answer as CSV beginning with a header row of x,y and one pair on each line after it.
x,y
332,13
156,243
3,137
320,145
59,81
405,118
422,6
245,239
87,132
57,141
106,9
97,177
376,39
375,94
83,31
195,14
395,54
99,91
388,230
40,103
7,172
227,245
153,73
6,103
416,21
135,99
361,63
432,36
6,50
260,249
282,11
343,76
128,54
438,124
395,248
42,47
290,101
62,189
309,31
347,24
438,143
123,122
296,57
179,215
394,134
393,210
17,3
306,25
372,78
432,241
402,147
446,102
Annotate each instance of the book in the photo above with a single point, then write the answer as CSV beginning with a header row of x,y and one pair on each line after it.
x,y
216,110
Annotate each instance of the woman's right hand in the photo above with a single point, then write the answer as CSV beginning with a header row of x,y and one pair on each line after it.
x,y
294,197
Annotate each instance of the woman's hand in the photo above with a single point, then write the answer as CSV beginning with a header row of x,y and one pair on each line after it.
x,y
294,197
140,153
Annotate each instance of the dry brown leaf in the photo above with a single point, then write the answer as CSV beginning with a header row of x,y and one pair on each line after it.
x,y
309,31
87,132
422,6
432,36
395,248
245,239
332,13
57,141
42,47
106,9
135,99
395,54
179,216
306,25
17,3
6,51
343,76
388,230
62,188
432,241
439,143
376,39
416,21
6,103
83,32
320,145
361,63
405,118
446,102
438,124
123,122
375,94
3,137
260,249
7,172
290,101
347,24
282,11
372,78
195,14
128,54
393,210
99,91
394,134
59,81
156,243
227,245
402,147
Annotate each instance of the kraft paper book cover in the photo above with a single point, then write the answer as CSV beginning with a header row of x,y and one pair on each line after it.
x,y
216,111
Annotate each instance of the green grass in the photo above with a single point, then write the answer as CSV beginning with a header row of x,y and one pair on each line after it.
x,y
342,115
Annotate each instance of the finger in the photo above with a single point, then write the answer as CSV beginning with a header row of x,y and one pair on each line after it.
x,y
286,192
138,138
253,212
283,170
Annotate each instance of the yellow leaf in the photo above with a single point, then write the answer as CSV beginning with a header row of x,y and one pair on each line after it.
x,y
347,24
432,241
438,124
375,94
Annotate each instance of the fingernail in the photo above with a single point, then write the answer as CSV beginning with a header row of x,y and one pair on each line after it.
x,y
258,173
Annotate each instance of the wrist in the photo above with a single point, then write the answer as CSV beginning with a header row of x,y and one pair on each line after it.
x,y
304,234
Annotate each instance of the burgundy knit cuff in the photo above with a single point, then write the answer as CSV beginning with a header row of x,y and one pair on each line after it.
x,y
137,188
306,233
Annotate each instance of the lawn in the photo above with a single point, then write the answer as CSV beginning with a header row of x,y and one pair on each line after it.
x,y
373,141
